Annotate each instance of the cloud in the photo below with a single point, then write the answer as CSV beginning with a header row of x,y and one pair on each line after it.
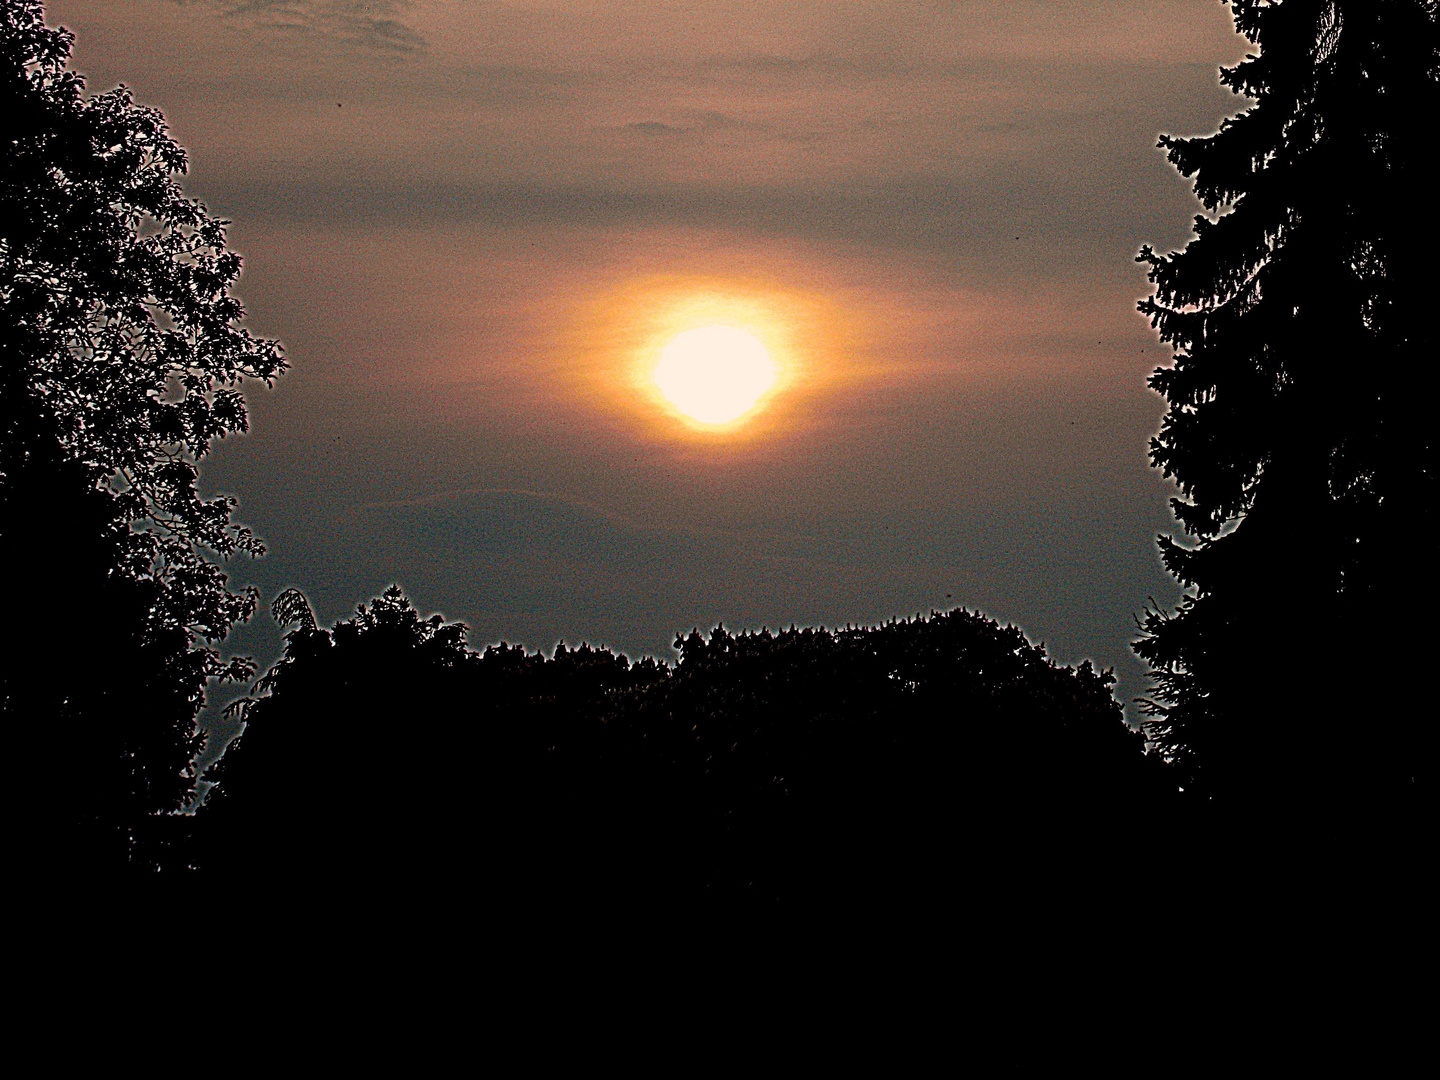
x,y
700,122
653,127
481,523
373,25
975,215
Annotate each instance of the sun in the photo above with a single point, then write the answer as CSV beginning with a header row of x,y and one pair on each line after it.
x,y
715,374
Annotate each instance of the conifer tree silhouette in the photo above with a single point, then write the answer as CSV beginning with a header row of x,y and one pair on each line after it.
x,y
1298,425
122,361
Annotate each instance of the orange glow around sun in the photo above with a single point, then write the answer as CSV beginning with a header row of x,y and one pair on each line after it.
x,y
712,362
753,351
707,359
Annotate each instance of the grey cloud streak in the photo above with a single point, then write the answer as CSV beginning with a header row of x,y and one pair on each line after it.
x,y
1087,217
375,25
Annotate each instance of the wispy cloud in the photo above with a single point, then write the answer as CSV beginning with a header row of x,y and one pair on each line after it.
x,y
654,127
374,25
693,122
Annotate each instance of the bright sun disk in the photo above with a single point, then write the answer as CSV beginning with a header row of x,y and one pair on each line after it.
x,y
715,374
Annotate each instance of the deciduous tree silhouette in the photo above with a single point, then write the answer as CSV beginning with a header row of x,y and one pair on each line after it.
x,y
891,763
357,755
1298,426
122,360
908,763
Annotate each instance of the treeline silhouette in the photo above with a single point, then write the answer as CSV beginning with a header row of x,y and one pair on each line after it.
x,y
776,765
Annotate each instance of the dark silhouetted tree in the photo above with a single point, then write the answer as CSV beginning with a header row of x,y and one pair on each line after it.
x,y
386,750
907,763
1303,324
357,753
122,360
889,763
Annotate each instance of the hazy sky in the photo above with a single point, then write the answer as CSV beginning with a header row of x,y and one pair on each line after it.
x,y
469,221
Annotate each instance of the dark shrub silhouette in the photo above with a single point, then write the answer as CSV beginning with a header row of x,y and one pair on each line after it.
x,y
122,361
1288,682
359,752
892,761
862,762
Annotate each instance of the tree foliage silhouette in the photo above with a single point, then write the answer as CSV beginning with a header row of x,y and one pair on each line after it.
x,y
358,736
783,765
1298,411
123,361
